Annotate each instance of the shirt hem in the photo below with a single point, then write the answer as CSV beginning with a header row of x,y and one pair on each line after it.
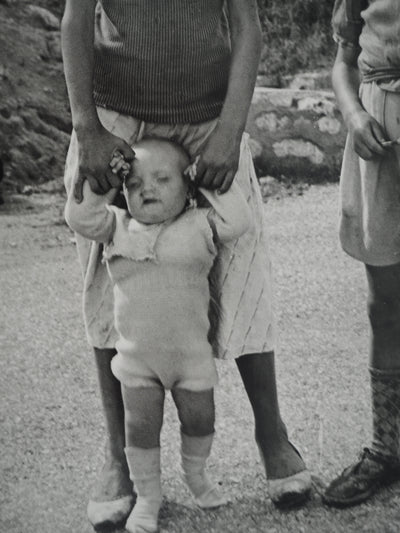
x,y
188,117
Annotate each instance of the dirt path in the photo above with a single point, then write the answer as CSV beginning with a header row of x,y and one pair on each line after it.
x,y
51,426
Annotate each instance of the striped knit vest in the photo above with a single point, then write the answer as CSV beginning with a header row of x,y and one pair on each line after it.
x,y
163,61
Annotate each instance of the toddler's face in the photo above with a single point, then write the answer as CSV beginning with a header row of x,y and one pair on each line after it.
x,y
155,189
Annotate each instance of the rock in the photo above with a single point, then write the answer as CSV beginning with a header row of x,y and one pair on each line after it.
x,y
35,121
276,97
266,80
299,148
272,122
27,190
308,80
43,18
317,104
330,125
269,186
296,133
54,45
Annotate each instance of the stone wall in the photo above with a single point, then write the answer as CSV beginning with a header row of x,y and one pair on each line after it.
x,y
296,133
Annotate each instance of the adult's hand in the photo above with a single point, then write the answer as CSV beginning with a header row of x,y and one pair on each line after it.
x,y
367,135
219,160
96,149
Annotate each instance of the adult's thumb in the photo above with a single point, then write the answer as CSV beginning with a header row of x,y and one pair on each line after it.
x,y
127,152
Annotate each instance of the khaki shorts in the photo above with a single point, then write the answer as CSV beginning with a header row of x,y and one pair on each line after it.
x,y
240,279
370,190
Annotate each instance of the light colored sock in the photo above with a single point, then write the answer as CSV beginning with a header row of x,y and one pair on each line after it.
x,y
195,452
385,387
145,472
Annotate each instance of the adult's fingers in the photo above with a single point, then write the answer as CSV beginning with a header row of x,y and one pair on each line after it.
x,y
78,189
365,144
379,138
207,181
113,179
200,169
363,151
116,158
127,152
117,164
98,184
228,180
218,179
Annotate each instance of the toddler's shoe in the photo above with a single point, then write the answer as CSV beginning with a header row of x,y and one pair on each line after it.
x,y
290,491
211,498
144,517
360,481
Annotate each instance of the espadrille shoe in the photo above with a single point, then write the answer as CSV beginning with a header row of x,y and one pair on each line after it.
x,y
290,491
110,514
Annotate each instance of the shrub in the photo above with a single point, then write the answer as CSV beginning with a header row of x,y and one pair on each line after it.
x,y
297,35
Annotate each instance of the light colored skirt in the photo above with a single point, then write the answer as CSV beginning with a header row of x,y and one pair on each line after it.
x,y
370,190
241,317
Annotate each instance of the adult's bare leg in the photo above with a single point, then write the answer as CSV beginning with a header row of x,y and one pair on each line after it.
x,y
282,461
112,497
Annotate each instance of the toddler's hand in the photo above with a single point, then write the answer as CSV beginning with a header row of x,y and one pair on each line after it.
x,y
118,164
368,136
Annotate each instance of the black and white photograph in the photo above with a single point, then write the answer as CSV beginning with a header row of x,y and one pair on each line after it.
x,y
200,266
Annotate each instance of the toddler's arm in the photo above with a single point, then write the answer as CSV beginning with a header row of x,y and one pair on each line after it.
x,y
90,217
230,214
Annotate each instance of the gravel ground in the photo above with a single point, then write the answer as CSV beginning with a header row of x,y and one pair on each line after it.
x,y
52,429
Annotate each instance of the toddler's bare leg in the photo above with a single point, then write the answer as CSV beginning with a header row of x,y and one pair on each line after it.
x,y
144,408
196,413
112,497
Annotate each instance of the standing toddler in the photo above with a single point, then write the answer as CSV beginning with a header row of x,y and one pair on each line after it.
x,y
159,253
